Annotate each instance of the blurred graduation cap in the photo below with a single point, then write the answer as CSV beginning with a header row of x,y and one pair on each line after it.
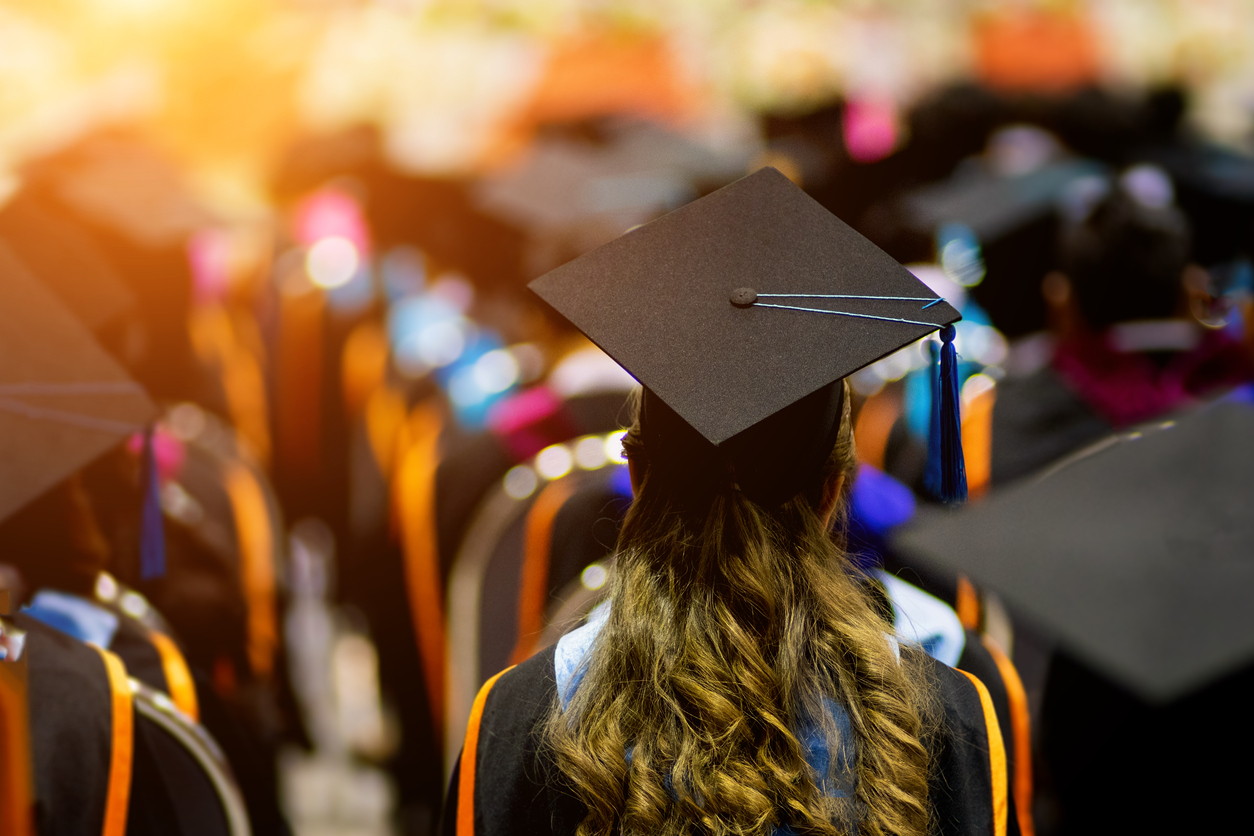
x,y
123,183
738,313
63,400
1134,554
1011,221
572,195
66,260
1215,189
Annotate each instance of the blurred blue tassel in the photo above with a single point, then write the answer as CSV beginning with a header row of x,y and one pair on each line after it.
x,y
946,475
152,530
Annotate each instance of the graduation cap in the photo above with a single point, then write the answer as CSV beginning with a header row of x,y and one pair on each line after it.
x,y
1013,218
124,184
739,312
1136,555
63,400
65,258
1215,188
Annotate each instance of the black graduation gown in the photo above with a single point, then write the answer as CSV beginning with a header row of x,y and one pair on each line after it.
x,y
1010,705
981,658
134,646
73,748
1116,763
471,463
474,463
505,783
71,731
251,759
1037,420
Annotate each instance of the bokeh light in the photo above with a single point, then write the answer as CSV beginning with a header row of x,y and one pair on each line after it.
x,y
495,371
520,482
590,452
614,447
594,576
332,262
554,461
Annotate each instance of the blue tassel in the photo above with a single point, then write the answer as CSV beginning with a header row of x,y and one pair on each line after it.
x,y
152,529
946,475
932,475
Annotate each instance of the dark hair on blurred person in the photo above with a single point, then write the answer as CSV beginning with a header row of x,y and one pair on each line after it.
x,y
1125,255
56,542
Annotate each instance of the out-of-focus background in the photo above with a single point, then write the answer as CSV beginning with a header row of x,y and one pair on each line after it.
x,y
323,214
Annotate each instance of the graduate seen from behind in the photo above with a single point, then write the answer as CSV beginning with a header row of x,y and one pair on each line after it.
x,y
1133,327
740,677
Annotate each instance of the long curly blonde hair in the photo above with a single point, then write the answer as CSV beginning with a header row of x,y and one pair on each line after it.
x,y
730,627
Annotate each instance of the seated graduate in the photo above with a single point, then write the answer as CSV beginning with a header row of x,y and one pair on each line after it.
x,y
739,679
1130,346
106,558
108,754
1145,591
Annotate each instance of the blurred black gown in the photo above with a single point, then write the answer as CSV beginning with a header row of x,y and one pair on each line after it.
x,y
72,741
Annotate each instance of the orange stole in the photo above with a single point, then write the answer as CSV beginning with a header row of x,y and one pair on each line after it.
x,y
414,496
875,423
967,604
466,783
17,793
218,342
298,401
122,752
533,590
996,757
257,569
1021,730
178,677
977,441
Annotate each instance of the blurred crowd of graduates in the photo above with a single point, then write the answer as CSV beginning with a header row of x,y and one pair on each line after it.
x,y
360,406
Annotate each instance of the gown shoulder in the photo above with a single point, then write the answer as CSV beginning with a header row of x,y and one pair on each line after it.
x,y
506,783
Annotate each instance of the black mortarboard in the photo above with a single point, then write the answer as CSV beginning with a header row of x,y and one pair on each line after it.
x,y
994,205
736,307
1014,218
1136,555
1215,188
63,400
65,258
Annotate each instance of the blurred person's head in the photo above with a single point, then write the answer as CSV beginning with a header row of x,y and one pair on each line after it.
x,y
436,215
1123,253
55,541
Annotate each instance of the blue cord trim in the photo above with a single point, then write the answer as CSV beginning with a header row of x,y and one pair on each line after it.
x,y
930,299
10,392
39,413
857,315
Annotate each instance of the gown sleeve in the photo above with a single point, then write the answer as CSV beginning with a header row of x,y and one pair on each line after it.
x,y
71,719
984,658
968,785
